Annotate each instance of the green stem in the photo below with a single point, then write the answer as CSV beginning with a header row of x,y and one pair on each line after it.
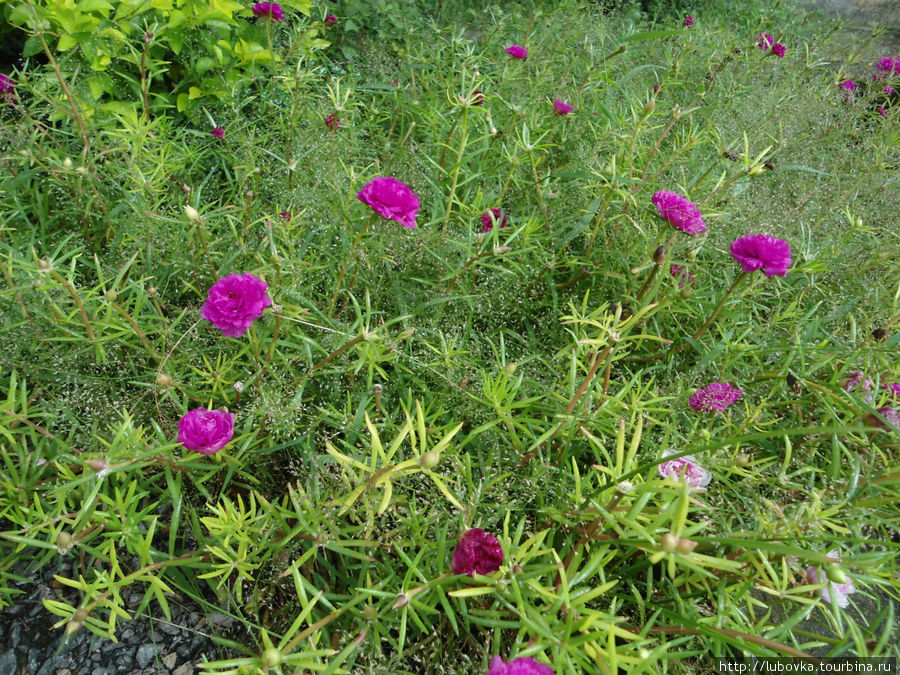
x,y
346,265
459,155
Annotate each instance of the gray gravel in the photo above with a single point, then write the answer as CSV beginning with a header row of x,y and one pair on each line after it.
x,y
148,645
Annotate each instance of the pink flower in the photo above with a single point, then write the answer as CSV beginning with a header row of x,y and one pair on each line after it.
x,y
761,251
688,21
894,388
685,469
888,89
683,275
517,51
561,107
218,132
391,199
487,222
892,416
815,575
477,97
779,50
271,9
332,121
881,111
715,397
477,551
655,88
7,86
234,302
849,85
285,215
764,41
524,665
679,212
330,18
889,64
858,379
206,431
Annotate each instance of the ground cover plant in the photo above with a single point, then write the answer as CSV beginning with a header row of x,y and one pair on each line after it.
x,y
535,338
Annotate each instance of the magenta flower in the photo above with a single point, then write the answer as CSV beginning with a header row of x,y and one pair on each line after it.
x,y
881,111
235,302
688,21
206,431
477,97
655,88
218,132
715,397
330,18
517,51
477,551
333,122
487,222
270,9
391,199
685,469
682,275
524,665
888,89
761,251
779,50
849,85
561,107
7,86
815,575
894,388
889,65
679,212
285,215
764,41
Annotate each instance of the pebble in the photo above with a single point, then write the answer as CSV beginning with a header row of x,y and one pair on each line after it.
x,y
145,654
184,669
169,660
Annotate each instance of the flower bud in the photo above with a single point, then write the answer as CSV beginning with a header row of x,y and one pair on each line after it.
x,y
756,170
770,165
836,574
152,291
668,542
73,627
510,368
659,255
249,194
430,459
402,601
624,487
686,546
186,188
44,264
271,657
686,292
82,170
111,295
649,107
370,613
239,387
80,615
163,380
98,464
64,542
192,213
742,459
67,163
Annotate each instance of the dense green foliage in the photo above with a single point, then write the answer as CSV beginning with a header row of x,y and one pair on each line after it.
x,y
409,384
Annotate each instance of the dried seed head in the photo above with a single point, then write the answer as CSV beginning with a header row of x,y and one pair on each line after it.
x,y
659,255
163,380
625,487
239,387
152,291
98,464
44,264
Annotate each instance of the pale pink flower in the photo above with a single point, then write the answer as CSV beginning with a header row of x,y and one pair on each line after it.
x,y
685,469
815,575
